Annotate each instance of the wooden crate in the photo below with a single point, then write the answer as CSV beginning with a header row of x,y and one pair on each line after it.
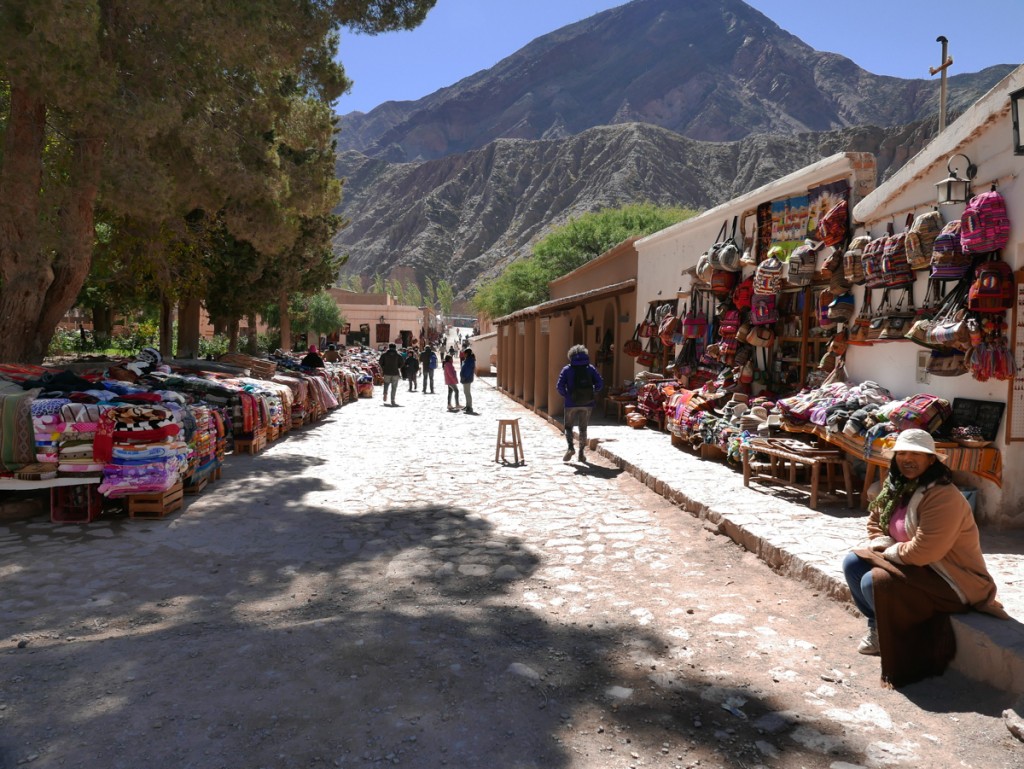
x,y
197,488
156,505
273,434
253,445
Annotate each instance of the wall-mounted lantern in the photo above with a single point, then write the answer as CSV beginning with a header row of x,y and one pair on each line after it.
x,y
953,189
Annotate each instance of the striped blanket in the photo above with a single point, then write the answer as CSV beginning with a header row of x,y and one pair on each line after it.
x,y
17,435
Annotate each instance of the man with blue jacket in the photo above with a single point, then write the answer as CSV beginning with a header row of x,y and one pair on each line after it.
x,y
579,384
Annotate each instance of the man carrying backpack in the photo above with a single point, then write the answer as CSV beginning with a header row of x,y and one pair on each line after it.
x,y
428,362
578,383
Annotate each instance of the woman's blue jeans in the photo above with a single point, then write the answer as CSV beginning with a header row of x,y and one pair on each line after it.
x,y
858,577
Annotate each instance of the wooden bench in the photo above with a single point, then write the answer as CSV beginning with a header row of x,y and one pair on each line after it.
x,y
814,459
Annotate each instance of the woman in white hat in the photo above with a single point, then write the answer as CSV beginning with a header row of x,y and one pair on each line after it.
x,y
922,562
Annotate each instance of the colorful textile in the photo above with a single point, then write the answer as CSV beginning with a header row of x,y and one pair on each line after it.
x,y
17,444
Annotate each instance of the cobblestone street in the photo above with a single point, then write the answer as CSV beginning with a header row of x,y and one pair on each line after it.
x,y
375,590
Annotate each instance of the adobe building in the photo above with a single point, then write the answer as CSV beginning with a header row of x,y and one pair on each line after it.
x,y
984,144
593,306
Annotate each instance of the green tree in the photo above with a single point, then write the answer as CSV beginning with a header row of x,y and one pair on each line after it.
x,y
412,295
378,284
568,247
157,108
445,296
324,314
318,313
429,292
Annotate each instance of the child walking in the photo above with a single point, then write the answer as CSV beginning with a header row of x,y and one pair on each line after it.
x,y
452,380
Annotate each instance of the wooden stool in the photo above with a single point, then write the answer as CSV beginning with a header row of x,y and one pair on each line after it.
x,y
506,441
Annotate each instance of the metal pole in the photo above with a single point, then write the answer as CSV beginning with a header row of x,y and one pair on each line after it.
x,y
946,62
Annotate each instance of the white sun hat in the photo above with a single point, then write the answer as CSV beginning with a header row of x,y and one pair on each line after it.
x,y
917,440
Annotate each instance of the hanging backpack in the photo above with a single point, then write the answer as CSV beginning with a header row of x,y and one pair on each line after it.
x,y
949,262
695,322
668,328
768,275
993,287
729,323
725,254
801,265
703,270
742,293
920,239
895,267
984,225
723,282
832,226
764,310
871,261
841,309
823,299
853,267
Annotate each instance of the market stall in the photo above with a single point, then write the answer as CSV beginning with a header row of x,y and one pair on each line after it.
x,y
148,431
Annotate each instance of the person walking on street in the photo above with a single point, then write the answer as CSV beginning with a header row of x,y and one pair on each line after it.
x,y
428,362
452,380
391,367
412,369
466,375
578,383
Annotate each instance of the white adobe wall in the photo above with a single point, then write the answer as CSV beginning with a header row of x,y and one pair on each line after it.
x,y
664,255
983,134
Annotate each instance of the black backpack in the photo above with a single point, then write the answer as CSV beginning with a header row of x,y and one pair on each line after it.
x,y
582,385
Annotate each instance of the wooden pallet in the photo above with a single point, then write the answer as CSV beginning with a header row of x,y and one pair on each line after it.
x,y
254,445
273,434
197,488
156,505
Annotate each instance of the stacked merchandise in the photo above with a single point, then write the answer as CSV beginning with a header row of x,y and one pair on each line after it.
x,y
300,403
79,423
277,398
322,397
140,447
47,429
203,445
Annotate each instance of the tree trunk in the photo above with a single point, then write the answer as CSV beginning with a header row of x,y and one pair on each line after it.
x,y
73,259
251,346
233,335
102,324
166,327
286,322
25,272
188,328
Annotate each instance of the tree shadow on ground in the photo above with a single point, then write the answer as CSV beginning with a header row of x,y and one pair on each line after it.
x,y
293,634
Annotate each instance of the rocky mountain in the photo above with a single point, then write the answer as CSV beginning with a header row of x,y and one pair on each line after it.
x,y
464,217
677,103
714,70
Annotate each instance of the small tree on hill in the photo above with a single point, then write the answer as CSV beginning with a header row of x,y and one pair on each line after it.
x,y
525,282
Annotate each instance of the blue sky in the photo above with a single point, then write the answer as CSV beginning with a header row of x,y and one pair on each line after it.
x,y
887,37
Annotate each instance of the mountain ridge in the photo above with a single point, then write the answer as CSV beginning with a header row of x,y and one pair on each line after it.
x,y
716,70
458,184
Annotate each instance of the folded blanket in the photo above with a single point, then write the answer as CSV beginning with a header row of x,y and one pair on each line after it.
x,y
17,447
